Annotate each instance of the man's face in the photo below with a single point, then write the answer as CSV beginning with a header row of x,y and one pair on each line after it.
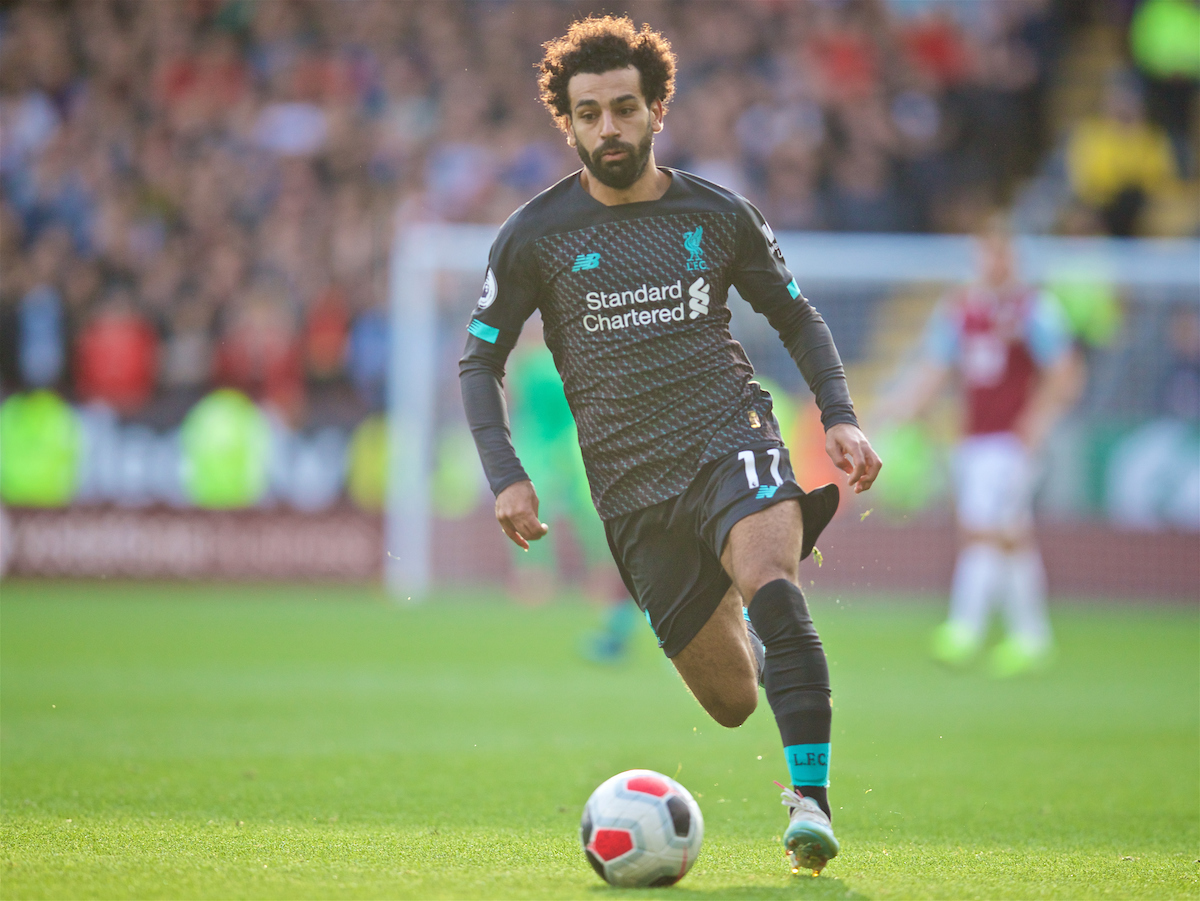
x,y
612,128
996,260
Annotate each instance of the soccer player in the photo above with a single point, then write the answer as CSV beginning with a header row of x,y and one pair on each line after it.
x,y
630,266
1010,347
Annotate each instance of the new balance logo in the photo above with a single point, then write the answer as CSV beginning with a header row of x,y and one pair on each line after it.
x,y
586,261
772,242
698,298
766,491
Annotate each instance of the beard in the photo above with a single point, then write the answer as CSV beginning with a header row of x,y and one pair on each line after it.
x,y
618,174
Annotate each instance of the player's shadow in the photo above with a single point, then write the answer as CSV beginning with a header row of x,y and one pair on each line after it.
x,y
798,888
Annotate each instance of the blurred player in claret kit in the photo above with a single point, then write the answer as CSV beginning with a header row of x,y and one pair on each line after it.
x,y
1011,348
630,266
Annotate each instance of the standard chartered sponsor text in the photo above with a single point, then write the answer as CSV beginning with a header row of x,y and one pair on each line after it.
x,y
598,322
600,300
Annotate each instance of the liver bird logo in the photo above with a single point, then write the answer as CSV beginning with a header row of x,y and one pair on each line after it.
x,y
691,243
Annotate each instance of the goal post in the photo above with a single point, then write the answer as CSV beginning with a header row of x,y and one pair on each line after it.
x,y
420,255
436,272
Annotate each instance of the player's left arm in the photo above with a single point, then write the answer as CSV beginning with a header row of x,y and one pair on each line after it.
x,y
1061,377
762,278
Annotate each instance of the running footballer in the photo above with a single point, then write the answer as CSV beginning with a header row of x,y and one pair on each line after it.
x,y
630,266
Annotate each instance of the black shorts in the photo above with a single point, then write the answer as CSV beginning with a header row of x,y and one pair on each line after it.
x,y
669,554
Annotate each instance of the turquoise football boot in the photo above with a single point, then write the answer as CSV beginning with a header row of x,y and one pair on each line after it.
x,y
808,840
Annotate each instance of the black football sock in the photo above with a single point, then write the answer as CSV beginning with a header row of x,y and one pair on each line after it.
x,y
796,678
818,793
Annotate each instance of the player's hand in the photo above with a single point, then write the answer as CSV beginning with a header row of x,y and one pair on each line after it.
x,y
1032,430
852,453
517,513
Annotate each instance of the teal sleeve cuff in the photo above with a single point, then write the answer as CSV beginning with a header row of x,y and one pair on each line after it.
x,y
483,331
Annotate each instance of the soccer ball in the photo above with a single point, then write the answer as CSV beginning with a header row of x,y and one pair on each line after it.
x,y
641,828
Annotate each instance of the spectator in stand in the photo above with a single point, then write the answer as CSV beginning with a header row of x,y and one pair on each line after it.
x,y
294,125
354,245
1164,38
260,352
844,52
116,355
14,266
1118,160
921,138
326,328
187,356
712,111
936,47
791,201
42,331
82,286
1180,391
1002,96
326,340
367,356
861,196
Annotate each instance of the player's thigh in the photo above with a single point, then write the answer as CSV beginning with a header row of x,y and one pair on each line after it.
x,y
718,664
676,580
764,546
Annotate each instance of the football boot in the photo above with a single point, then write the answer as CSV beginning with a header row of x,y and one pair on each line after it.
x,y
808,839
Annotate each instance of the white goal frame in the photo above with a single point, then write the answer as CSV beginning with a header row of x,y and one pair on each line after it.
x,y
419,253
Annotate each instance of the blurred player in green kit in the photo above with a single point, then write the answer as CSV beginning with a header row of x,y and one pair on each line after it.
x,y
549,446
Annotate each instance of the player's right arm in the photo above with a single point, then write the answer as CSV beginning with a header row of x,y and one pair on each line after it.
x,y
916,391
510,294
763,279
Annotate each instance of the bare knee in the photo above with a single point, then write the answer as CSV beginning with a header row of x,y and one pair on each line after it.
x,y
1006,542
718,665
751,582
733,706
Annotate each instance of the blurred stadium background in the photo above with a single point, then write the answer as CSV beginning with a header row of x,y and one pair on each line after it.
x,y
225,225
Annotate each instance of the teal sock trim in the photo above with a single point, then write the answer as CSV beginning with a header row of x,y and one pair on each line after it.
x,y
808,764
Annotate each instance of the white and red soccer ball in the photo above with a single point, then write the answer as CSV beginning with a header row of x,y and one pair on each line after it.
x,y
641,828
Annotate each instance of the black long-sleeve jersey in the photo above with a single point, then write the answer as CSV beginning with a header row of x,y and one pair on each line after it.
x,y
633,305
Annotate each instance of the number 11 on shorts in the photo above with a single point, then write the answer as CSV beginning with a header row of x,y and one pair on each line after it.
x,y
747,458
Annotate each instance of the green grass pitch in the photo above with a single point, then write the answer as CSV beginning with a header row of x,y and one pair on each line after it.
x,y
312,742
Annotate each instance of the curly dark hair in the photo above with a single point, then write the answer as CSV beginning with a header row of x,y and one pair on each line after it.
x,y
600,44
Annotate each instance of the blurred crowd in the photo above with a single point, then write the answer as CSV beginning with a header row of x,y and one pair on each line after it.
x,y
204,192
